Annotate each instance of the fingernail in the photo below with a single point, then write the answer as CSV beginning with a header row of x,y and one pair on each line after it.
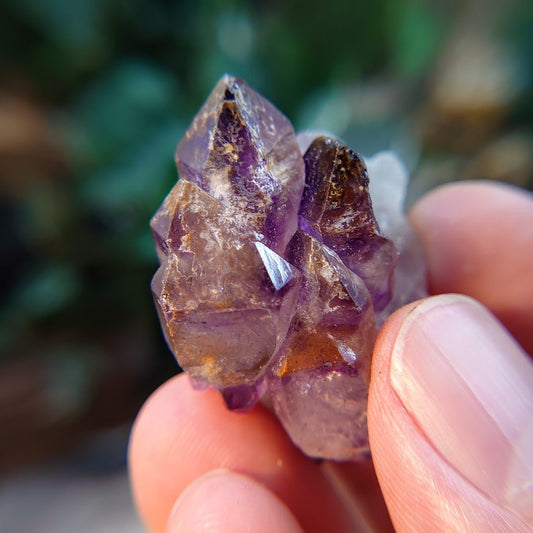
x,y
469,387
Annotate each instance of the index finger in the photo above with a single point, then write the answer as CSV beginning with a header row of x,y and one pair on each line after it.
x,y
478,238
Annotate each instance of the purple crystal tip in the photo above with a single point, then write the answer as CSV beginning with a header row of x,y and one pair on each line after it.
x,y
274,271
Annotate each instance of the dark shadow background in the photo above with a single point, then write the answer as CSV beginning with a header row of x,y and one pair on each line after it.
x,y
95,95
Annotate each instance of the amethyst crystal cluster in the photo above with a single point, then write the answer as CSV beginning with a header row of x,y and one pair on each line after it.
x,y
274,272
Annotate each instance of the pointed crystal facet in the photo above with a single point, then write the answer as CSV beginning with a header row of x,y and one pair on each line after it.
x,y
279,270
242,151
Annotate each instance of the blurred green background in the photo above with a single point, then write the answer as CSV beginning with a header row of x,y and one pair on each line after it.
x,y
95,95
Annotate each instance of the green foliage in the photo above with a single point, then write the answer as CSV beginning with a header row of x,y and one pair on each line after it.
x,y
415,32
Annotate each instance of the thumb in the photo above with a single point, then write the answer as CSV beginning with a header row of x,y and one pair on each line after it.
x,y
450,420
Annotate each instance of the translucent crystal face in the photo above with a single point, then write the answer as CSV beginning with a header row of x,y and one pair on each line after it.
x,y
274,272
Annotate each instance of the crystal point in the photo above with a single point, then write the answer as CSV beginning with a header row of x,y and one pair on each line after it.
x,y
336,206
242,151
274,272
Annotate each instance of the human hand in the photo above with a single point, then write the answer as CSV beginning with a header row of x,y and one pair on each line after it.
x,y
450,408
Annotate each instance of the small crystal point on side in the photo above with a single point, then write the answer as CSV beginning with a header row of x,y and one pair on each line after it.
x,y
242,398
336,205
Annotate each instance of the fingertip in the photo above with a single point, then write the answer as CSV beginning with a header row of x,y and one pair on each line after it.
x,y
449,389
478,238
478,200
180,434
225,502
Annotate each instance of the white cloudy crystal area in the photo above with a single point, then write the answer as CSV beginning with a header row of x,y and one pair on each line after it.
x,y
389,179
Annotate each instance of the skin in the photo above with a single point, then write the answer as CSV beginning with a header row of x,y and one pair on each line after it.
x,y
196,467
